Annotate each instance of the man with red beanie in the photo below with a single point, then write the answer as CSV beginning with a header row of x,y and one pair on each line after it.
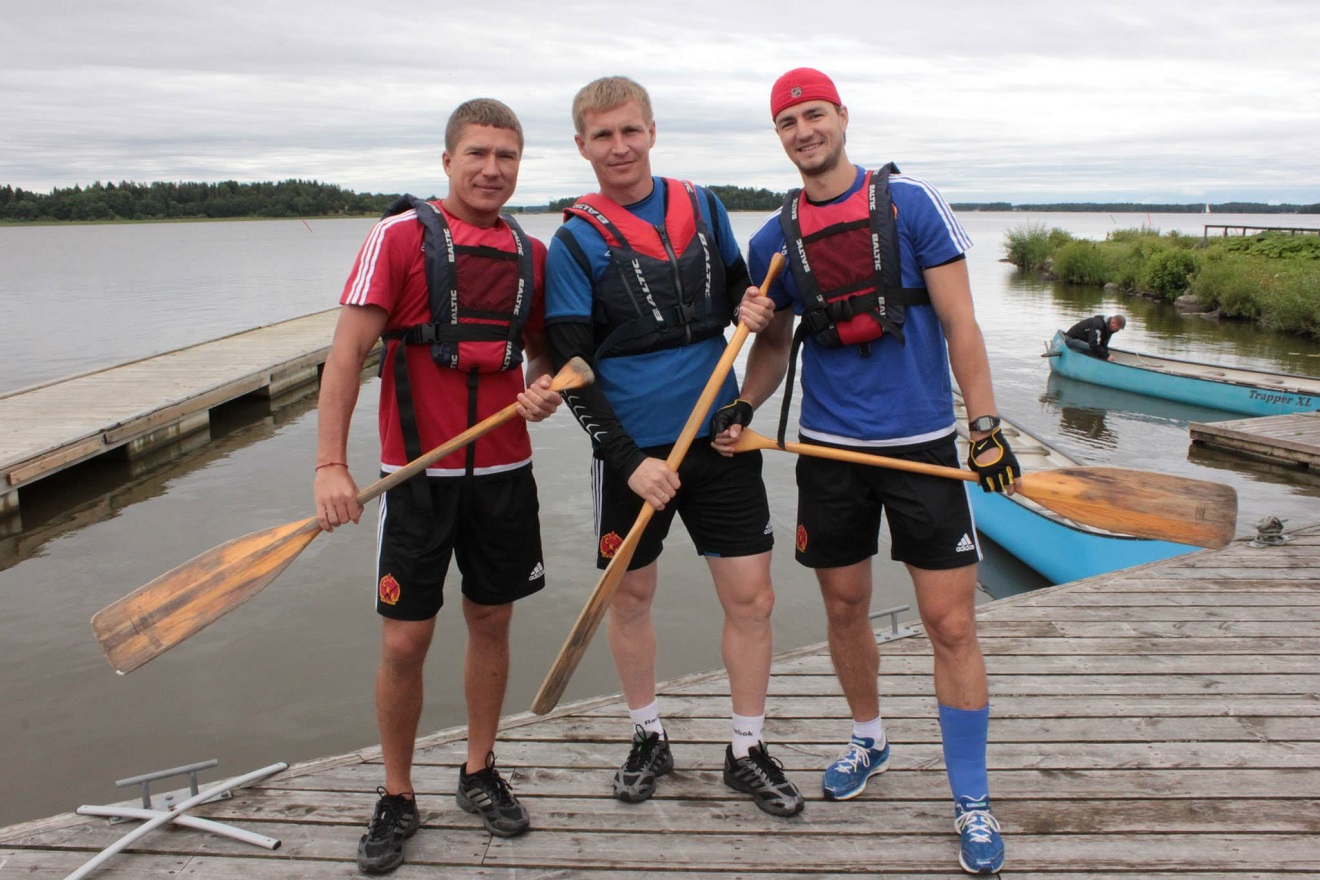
x,y
879,278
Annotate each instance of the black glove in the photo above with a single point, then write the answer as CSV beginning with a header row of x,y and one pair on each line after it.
x,y
997,474
737,413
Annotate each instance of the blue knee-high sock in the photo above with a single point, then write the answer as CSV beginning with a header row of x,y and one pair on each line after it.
x,y
965,732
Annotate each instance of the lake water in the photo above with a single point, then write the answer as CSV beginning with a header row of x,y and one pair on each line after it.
x,y
289,675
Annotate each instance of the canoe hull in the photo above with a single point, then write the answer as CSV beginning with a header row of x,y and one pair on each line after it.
x,y
1235,397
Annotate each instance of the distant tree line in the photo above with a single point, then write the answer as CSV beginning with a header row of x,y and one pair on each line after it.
x,y
735,198
1142,207
127,200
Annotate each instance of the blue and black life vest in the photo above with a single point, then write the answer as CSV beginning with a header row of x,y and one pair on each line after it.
x,y
665,284
480,298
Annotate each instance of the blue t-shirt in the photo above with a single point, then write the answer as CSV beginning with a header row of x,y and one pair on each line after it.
x,y
652,394
899,394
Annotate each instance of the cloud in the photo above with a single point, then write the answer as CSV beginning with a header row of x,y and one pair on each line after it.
x,y
990,100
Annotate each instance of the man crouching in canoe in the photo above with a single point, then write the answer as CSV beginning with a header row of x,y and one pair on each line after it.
x,y
422,267
879,277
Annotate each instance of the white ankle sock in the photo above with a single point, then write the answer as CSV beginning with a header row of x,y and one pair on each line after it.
x,y
873,730
648,717
746,733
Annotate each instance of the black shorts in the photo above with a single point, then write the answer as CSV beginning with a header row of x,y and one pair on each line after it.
x,y
722,502
490,524
839,508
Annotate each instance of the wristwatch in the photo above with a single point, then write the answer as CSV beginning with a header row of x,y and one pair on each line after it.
x,y
984,423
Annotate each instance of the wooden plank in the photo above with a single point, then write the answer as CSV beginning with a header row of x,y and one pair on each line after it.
x,y
817,730
988,629
33,468
1169,613
1158,662
1006,706
528,756
1070,683
910,784
1303,641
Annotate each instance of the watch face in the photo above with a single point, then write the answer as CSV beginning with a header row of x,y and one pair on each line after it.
x,y
984,423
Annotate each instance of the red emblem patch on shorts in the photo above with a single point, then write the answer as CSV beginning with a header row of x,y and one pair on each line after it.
x,y
389,590
801,538
610,544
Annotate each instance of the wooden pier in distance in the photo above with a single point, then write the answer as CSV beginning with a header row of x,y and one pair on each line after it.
x,y
1161,722
139,407
1291,439
1227,229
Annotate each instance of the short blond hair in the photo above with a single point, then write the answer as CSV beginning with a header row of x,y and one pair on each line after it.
x,y
481,111
607,93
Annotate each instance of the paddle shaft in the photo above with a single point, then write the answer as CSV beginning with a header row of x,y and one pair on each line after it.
x,y
154,618
556,680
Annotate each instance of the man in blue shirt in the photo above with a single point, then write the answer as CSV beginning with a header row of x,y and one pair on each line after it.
x,y
643,278
879,278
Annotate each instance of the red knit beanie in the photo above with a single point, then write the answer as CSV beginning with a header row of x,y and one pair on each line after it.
x,y
801,84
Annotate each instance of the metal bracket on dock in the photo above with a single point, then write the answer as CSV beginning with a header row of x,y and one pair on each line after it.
x,y
154,818
166,801
895,630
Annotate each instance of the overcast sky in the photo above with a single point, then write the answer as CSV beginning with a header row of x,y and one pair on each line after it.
x,y
1032,101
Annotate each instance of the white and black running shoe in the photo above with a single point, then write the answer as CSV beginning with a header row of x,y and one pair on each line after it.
x,y
763,778
487,794
395,820
650,757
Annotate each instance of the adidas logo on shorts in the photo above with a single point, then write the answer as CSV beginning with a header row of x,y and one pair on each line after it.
x,y
769,527
537,572
964,544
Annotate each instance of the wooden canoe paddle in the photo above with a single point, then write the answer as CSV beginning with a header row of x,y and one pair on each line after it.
x,y
1140,503
556,680
154,618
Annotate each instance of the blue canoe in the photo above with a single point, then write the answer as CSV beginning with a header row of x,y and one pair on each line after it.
x,y
1056,547
1231,389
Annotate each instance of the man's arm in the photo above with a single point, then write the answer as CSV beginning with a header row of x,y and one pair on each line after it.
x,y
335,491
951,295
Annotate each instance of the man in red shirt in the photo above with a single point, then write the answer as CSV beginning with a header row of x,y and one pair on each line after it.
x,y
456,291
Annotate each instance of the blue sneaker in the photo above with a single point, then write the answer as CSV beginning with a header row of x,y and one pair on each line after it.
x,y
846,777
982,848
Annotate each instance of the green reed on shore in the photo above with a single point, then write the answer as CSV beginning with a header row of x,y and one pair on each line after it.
x,y
1272,278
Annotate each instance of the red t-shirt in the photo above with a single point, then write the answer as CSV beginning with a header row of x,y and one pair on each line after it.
x,y
390,273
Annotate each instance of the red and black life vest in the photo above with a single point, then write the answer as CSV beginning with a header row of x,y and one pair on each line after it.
x,y
845,260
846,263
665,286
480,298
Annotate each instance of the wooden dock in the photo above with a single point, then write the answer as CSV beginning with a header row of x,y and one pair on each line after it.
x,y
1161,722
140,406
1292,439
1225,230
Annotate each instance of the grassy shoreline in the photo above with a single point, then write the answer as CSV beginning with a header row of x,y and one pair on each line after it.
x,y
1272,279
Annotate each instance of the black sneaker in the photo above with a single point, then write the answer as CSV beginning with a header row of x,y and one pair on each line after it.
x,y
381,849
487,794
650,757
763,778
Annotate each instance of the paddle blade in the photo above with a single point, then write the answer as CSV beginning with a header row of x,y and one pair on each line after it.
x,y
154,618
556,680
1140,503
